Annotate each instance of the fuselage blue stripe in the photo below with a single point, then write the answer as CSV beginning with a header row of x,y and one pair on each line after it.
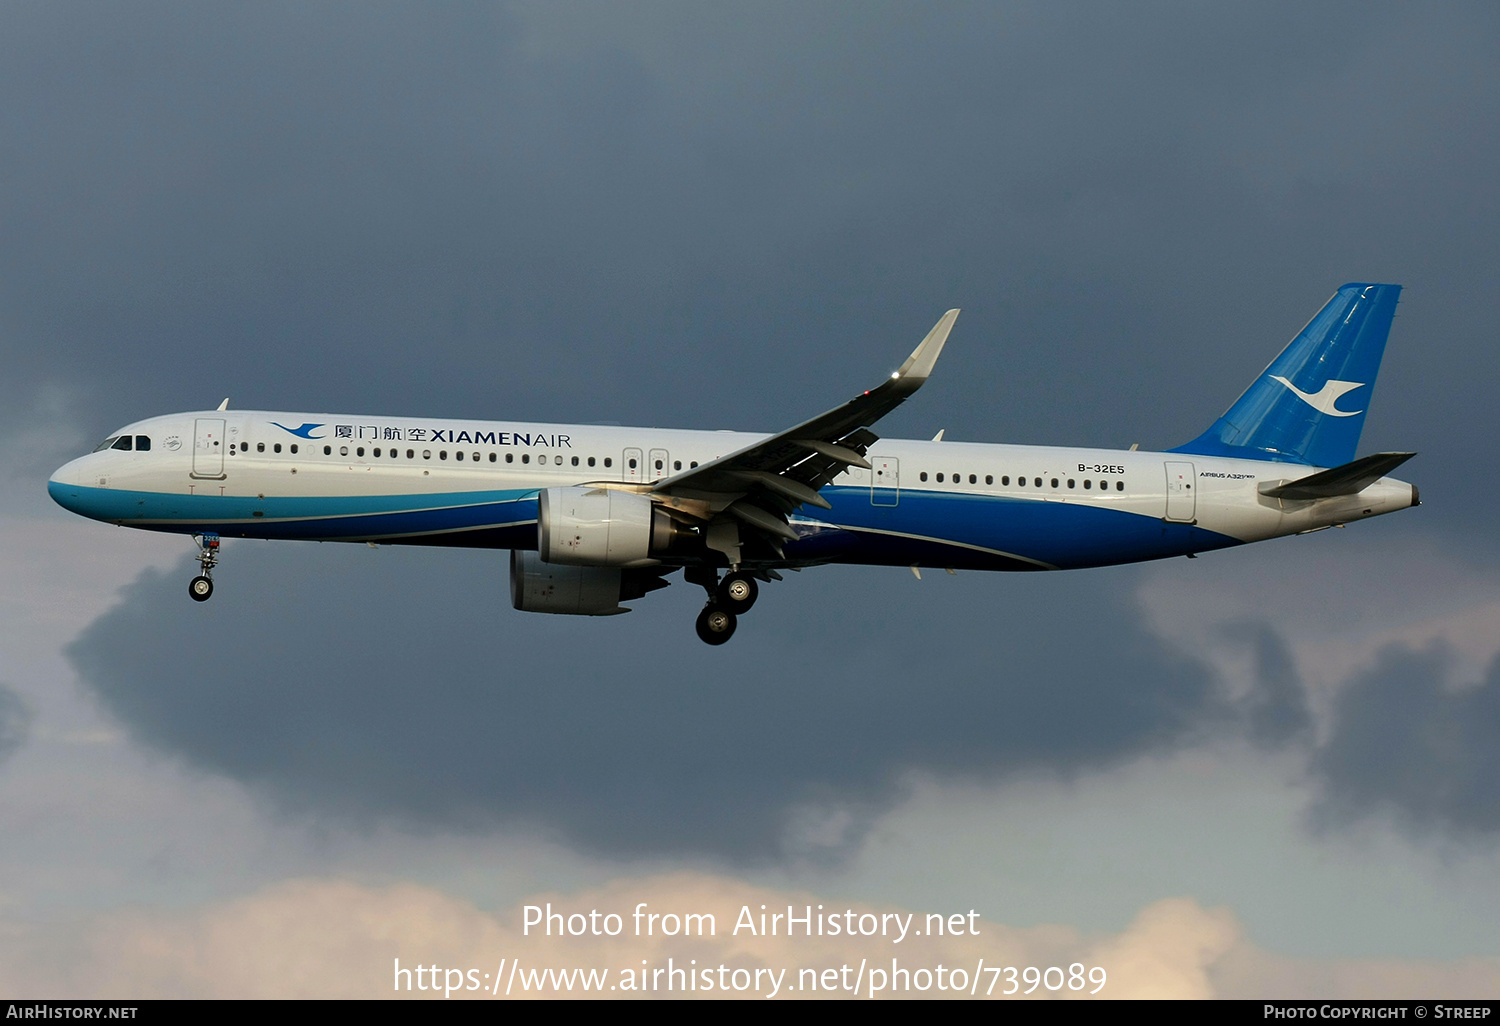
x,y
977,531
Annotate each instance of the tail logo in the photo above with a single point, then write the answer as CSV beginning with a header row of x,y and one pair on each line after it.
x,y
1325,400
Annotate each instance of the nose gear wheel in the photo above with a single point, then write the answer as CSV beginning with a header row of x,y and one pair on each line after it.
x,y
202,586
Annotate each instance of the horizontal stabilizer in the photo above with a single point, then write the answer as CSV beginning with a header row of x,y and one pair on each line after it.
x,y
1350,479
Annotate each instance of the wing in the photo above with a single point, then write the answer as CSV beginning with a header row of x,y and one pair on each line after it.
x,y
758,486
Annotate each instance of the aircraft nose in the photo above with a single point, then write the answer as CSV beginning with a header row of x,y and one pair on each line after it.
x,y
65,485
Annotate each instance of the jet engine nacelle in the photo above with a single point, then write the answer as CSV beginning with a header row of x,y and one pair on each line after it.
x,y
599,527
538,587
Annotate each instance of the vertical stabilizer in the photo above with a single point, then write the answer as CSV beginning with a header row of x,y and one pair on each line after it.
x,y
1309,406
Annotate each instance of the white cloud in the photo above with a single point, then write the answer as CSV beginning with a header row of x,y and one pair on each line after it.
x,y
334,938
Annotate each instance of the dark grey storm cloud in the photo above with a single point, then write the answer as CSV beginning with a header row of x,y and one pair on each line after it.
x,y
1408,744
701,216
15,721
399,683
1274,713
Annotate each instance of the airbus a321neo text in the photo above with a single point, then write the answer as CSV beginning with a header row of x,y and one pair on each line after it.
x,y
598,516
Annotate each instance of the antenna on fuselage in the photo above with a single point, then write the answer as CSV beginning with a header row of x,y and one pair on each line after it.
x,y
224,405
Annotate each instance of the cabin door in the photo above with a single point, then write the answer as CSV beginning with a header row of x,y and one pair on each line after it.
x,y
885,482
208,447
1181,503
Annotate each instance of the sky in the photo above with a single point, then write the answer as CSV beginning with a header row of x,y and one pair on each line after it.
x,y
1266,772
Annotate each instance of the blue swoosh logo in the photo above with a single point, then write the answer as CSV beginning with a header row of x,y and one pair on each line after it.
x,y
305,431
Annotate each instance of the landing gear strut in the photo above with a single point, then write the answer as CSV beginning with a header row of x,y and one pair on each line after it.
x,y
202,586
727,599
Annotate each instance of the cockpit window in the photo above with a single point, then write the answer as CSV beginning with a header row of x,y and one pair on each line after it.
x,y
111,440
142,443
123,443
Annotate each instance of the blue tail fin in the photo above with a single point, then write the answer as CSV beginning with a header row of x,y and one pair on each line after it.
x,y
1309,405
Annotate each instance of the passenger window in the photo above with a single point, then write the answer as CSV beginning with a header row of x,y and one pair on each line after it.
x,y
526,457
676,464
124,443
1038,481
692,464
1071,483
427,454
1119,486
658,464
923,475
411,454
492,457
343,450
142,443
591,461
632,463
375,451
940,479
475,457
973,479
1087,485
1005,480
294,447
575,461
327,450
989,479
259,446
276,447
442,454
360,451
1054,482
609,461
459,455
542,459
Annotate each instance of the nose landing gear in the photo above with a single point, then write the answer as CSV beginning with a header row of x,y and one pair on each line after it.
x,y
202,586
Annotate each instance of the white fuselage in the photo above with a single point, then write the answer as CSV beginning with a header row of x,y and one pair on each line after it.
x,y
435,481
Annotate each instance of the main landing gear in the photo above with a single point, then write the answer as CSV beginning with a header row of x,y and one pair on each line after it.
x,y
202,586
727,599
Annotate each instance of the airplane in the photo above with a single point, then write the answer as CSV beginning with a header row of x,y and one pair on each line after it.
x,y
595,517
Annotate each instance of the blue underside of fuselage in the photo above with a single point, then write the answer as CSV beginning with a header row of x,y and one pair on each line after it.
x,y
926,528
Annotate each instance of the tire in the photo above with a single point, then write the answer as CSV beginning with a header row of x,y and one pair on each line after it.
x,y
716,624
738,592
200,588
